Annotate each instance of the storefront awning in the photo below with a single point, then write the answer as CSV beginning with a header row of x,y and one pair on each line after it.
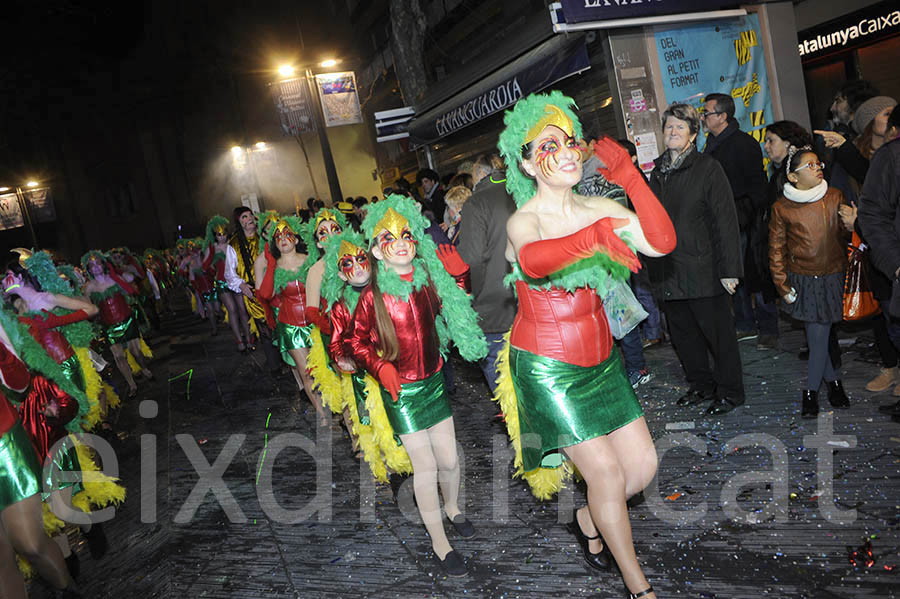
x,y
542,66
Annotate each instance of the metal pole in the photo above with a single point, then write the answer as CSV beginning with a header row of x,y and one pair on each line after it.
x,y
334,184
299,138
26,214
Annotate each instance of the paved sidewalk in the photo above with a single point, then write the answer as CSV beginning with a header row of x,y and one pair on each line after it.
x,y
361,545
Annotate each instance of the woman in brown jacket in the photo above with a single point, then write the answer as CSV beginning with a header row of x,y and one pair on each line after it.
x,y
807,257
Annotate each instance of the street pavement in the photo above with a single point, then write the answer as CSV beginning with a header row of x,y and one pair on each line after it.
x,y
738,509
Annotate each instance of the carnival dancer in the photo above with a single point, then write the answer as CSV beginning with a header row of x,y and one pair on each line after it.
x,y
108,290
126,262
282,281
402,324
240,276
20,485
216,248
158,273
345,275
203,282
315,233
571,394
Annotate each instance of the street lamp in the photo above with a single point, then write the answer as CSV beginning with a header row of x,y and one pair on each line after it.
x,y
327,64
334,184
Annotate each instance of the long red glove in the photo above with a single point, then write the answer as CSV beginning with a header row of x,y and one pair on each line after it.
x,y
48,320
389,379
541,258
125,285
315,316
655,222
455,265
137,265
207,262
13,372
267,288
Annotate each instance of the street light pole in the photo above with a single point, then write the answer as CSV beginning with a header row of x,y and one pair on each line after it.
x,y
334,184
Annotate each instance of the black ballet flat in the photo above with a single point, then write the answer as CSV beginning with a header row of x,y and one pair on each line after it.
x,y
463,527
96,541
598,561
453,564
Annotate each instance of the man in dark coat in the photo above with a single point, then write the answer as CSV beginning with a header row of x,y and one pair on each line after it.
x,y
741,158
482,244
879,218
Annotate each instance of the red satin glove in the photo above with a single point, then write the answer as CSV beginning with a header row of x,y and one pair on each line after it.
x,y
267,288
389,379
13,372
48,320
655,222
452,261
315,316
541,258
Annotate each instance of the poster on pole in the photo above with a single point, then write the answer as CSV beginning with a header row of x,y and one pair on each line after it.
x,y
292,103
721,56
340,102
40,206
10,212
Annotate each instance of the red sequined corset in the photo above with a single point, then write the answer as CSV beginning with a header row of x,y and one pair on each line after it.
x,y
569,327
55,343
114,309
293,304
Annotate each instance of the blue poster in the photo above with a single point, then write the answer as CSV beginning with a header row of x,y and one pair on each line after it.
x,y
723,56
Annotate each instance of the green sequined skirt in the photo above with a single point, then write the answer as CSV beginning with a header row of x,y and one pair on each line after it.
x,y
420,405
359,394
20,472
563,404
124,331
289,336
71,367
65,460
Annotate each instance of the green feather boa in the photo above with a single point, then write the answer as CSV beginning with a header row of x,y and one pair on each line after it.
x,y
307,233
39,361
216,221
284,276
79,334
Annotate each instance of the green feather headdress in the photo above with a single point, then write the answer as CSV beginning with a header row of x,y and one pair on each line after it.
x,y
262,218
218,221
523,116
41,266
308,230
91,255
333,287
457,322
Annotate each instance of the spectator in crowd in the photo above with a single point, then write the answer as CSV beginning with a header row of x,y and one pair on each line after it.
x,y
464,179
879,217
705,265
741,159
482,245
455,197
807,257
870,123
594,184
434,193
466,167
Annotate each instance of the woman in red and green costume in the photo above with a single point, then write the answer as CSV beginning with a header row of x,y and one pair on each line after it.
x,y
202,281
282,284
572,396
402,325
216,247
22,529
109,291
315,234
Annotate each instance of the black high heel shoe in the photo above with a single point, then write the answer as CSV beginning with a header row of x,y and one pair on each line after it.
x,y
598,561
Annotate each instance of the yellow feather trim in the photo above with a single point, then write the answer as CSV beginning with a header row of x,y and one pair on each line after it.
x,y
364,433
544,482
145,349
254,330
93,387
324,378
131,362
394,454
193,302
52,525
100,490
112,398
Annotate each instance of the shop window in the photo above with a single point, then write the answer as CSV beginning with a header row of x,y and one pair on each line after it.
x,y
878,64
821,84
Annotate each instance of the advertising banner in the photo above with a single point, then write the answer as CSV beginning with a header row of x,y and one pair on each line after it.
x,y
340,102
723,56
292,102
40,206
579,11
10,212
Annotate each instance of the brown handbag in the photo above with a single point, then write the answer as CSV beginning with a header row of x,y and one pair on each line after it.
x,y
859,303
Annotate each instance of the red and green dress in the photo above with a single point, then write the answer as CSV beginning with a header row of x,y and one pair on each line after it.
x,y
20,470
116,314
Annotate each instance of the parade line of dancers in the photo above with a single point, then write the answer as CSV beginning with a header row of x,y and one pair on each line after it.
x,y
365,319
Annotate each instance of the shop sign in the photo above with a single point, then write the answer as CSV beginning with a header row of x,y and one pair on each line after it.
x,y
860,28
724,56
579,11
496,93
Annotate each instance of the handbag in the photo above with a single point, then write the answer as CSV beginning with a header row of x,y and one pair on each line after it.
x,y
859,303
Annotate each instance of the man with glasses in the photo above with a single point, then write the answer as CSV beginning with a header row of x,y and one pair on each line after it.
x,y
739,154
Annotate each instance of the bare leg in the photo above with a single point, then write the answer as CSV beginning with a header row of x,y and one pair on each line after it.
x,y
12,585
212,315
599,464
134,346
25,531
122,364
233,318
425,486
348,424
241,311
299,356
443,443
